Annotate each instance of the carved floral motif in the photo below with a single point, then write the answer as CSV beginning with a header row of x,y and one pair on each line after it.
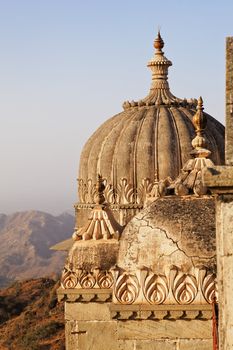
x,y
86,279
69,279
209,286
155,288
123,194
184,286
174,287
126,288
104,279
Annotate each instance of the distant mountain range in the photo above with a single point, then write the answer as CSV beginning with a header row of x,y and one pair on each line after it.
x,y
25,239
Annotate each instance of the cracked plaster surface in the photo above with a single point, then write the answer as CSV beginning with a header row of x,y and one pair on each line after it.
x,y
170,232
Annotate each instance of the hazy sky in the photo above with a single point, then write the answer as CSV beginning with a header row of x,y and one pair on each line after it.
x,y
67,66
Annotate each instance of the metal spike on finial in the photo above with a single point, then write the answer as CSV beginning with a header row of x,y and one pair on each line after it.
x,y
199,122
100,187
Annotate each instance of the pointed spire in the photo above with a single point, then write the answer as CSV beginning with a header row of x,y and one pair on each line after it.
x,y
199,119
159,91
199,122
159,65
189,180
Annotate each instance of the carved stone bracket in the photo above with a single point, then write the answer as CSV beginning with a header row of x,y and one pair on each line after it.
x,y
84,295
161,312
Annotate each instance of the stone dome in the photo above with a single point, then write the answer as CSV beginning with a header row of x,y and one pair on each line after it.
x,y
149,141
172,230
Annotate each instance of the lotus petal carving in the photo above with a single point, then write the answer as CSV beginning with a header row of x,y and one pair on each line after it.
x,y
69,279
87,280
155,288
105,279
126,288
184,288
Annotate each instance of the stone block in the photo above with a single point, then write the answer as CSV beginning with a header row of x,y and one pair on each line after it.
x,y
155,345
145,330
195,344
125,345
97,336
70,336
87,311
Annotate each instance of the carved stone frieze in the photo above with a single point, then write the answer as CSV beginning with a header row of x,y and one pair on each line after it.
x,y
124,194
86,279
173,287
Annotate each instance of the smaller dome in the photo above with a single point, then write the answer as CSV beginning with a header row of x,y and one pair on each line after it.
x,y
171,231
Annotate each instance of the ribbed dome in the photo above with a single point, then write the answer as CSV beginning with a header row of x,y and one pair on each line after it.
x,y
149,141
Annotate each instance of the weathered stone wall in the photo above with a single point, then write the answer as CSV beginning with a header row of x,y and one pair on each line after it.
x,y
229,101
89,326
220,181
224,219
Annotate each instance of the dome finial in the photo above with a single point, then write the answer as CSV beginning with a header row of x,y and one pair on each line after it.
x,y
158,43
199,119
199,122
100,187
159,64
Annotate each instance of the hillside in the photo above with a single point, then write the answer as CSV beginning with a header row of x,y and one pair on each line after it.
x,y
30,317
25,241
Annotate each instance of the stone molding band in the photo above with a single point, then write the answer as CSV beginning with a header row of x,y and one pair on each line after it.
x,y
198,287
161,312
123,194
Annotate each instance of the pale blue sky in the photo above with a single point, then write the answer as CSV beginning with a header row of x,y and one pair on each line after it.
x,y
67,66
